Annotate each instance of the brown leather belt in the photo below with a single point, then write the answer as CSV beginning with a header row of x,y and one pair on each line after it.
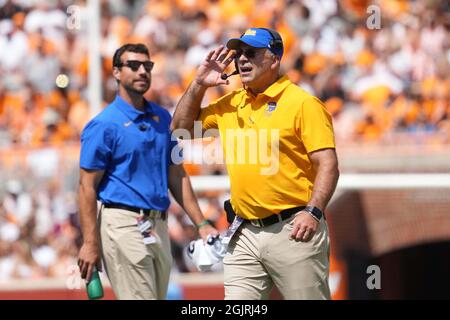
x,y
149,212
275,218
283,215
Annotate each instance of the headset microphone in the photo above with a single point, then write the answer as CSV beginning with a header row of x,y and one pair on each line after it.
x,y
225,76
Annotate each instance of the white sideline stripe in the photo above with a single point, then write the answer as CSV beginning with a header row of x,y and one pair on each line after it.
x,y
394,181
350,181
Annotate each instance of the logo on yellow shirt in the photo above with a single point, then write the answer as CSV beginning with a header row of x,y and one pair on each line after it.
x,y
271,106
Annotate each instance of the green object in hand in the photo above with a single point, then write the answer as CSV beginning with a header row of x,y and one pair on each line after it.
x,y
94,287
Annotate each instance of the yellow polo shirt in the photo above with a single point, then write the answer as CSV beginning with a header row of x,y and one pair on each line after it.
x,y
266,140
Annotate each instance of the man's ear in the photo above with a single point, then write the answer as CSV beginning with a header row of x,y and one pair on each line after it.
x,y
116,73
276,62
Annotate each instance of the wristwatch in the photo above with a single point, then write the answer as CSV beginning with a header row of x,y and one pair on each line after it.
x,y
315,212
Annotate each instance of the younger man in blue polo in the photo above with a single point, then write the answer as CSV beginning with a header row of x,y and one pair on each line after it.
x,y
126,164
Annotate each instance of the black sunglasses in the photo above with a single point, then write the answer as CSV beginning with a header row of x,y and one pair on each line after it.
x,y
249,53
135,65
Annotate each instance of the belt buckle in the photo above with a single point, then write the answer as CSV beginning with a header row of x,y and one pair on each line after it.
x,y
155,214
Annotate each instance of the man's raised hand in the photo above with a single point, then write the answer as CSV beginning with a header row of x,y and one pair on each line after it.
x,y
210,71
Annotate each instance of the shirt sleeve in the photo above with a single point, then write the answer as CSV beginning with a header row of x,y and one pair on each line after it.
x,y
315,126
208,117
97,141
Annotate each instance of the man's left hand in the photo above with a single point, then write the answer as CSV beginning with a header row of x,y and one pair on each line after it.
x,y
305,226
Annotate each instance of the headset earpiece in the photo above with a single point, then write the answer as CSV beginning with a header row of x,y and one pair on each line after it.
x,y
276,42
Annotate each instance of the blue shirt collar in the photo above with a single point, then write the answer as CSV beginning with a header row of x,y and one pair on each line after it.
x,y
131,112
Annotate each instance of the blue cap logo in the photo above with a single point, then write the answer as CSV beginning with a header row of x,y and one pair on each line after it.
x,y
259,38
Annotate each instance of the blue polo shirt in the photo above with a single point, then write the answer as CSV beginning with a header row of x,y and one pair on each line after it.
x,y
134,148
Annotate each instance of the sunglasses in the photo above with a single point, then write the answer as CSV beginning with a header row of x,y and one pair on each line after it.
x,y
249,53
135,65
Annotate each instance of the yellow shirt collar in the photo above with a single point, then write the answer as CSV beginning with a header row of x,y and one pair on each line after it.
x,y
276,88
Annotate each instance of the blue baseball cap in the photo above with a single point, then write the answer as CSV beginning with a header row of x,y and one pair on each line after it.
x,y
259,38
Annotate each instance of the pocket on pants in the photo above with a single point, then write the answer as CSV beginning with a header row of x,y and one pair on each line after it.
x,y
133,249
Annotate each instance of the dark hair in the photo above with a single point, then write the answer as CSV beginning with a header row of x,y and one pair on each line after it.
x,y
129,47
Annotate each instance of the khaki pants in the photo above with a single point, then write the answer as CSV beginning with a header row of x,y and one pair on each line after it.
x,y
259,258
135,270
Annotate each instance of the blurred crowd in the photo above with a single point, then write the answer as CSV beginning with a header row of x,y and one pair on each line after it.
x,y
39,232
376,82
385,84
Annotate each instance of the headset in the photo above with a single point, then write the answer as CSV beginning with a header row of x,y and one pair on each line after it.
x,y
276,44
